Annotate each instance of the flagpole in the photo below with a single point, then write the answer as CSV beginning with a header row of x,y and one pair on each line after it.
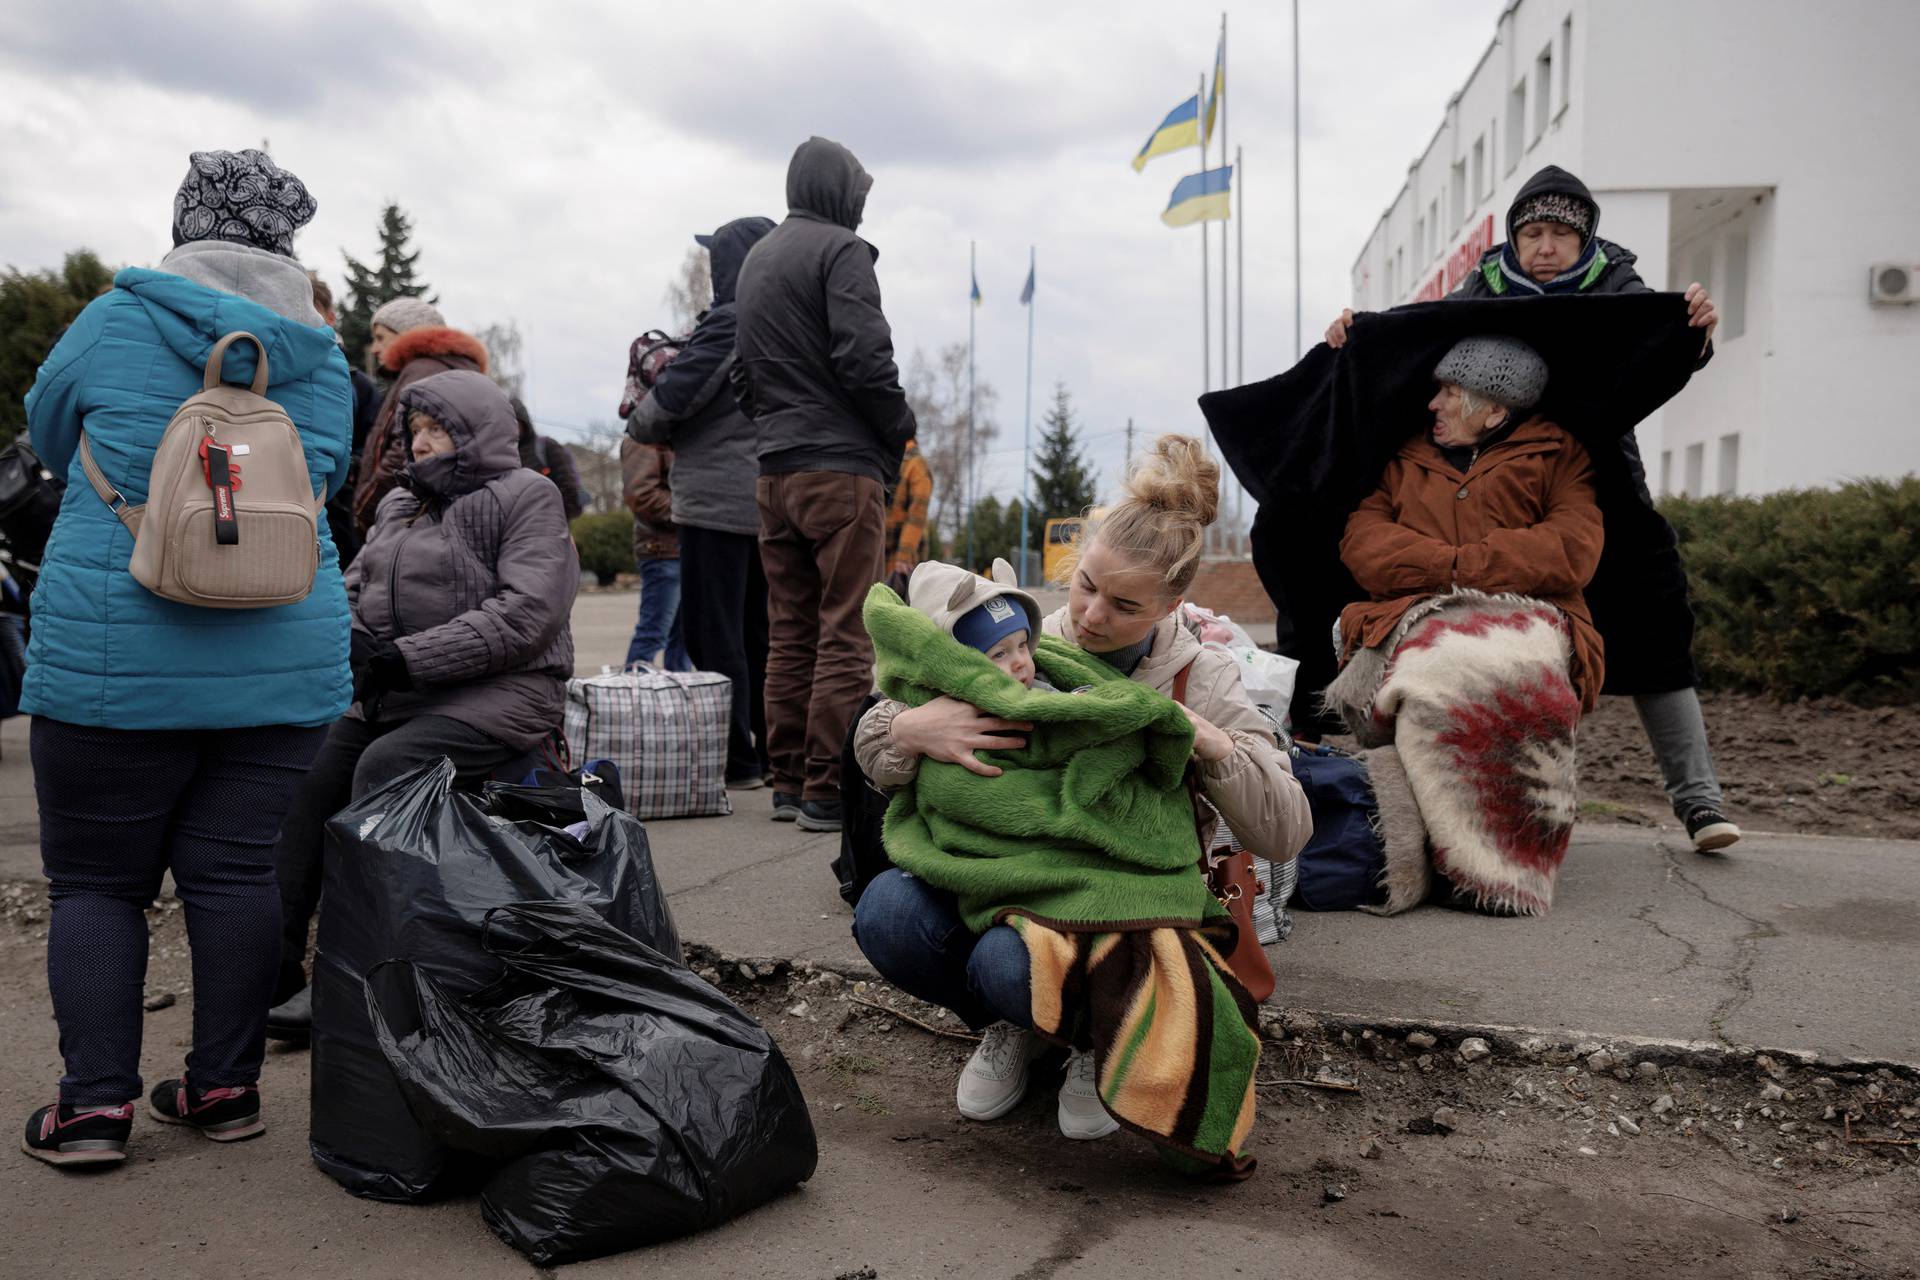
x,y
973,305
1240,313
1026,434
1299,348
1219,74
1240,302
1206,319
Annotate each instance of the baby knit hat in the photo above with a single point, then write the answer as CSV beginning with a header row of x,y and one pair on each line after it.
x,y
986,625
403,314
1505,370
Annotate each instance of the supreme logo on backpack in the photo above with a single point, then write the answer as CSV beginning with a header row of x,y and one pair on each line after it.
x,y
230,520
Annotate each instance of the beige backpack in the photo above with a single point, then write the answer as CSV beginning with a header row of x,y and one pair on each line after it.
x,y
230,520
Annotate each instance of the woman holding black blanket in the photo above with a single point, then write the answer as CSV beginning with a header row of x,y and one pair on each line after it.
x,y
1553,249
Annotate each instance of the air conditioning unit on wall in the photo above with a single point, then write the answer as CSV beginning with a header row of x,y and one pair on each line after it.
x,y
1893,283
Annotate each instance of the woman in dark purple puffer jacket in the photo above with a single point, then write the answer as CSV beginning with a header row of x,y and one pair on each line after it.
x,y
461,645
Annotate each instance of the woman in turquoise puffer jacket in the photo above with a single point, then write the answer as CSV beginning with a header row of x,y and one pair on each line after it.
x,y
168,737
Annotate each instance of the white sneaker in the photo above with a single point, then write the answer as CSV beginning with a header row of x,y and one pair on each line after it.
x,y
995,1077
1081,1114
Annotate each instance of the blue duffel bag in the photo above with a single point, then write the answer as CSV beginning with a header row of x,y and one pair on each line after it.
x,y
1341,867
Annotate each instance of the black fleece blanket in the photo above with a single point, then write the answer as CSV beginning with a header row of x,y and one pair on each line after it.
x,y
1312,442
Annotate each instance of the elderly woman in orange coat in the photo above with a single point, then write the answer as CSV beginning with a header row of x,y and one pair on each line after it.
x,y
1474,652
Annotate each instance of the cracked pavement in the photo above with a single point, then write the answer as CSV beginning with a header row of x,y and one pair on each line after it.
x,y
1787,942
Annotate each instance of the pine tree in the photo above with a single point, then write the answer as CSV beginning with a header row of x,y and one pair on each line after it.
x,y
368,289
1062,482
990,532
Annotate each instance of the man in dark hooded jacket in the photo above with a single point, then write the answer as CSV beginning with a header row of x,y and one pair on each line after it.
x,y
815,372
716,470
1552,248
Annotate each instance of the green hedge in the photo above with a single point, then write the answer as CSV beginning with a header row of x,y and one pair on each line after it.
x,y
605,541
1807,593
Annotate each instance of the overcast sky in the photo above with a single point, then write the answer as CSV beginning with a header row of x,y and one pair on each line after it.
x,y
556,159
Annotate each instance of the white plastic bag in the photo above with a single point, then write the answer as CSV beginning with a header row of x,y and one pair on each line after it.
x,y
1267,677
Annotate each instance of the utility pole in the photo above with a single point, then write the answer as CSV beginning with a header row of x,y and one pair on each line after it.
x,y
1220,93
1129,461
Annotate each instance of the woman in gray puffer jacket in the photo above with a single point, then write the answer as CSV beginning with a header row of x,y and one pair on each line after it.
x,y
461,645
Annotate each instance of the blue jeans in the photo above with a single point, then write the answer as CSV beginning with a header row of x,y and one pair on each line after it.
x,y
914,936
119,808
659,625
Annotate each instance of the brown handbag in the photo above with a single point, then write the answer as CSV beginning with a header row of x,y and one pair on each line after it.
x,y
1231,878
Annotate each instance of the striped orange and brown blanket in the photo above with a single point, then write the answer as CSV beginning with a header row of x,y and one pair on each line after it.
x,y
1173,1034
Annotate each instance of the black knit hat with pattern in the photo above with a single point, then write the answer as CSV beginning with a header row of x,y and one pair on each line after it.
x,y
241,196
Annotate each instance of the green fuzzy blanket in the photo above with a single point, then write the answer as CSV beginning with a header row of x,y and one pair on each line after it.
x,y
1091,823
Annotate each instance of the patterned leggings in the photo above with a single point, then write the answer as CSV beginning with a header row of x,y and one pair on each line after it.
x,y
118,809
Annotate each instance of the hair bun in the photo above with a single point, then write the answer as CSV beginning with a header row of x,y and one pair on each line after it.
x,y
1178,477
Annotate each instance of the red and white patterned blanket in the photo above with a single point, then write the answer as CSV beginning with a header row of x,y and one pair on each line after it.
x,y
1473,692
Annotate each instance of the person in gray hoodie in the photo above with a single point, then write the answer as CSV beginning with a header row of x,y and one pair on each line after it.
x,y
461,640
723,600
815,371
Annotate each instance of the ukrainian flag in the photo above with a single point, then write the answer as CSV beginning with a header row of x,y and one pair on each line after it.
x,y
1180,129
1206,196
1219,85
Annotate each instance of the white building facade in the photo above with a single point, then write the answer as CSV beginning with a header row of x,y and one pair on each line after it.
x,y
1766,148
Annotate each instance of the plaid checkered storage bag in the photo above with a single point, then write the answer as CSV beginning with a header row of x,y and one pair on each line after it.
x,y
667,732
1274,883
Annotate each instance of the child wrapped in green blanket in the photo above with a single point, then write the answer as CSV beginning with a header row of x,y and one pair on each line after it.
x,y
1084,847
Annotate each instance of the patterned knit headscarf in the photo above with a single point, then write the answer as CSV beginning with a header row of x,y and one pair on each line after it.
x,y
241,196
1554,206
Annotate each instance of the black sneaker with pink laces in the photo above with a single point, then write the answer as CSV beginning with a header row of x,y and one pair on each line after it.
x,y
70,1136
225,1115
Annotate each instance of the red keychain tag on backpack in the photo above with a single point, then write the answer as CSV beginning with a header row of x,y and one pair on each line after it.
x,y
226,526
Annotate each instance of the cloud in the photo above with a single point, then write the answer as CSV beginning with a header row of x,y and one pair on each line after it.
x,y
902,85
556,160
279,60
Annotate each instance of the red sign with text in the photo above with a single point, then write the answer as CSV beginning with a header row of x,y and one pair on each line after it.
x,y
1459,264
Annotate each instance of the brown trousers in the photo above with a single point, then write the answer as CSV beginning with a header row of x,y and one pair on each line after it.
x,y
822,537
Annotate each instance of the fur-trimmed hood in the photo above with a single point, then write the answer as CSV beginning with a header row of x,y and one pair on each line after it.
x,y
433,340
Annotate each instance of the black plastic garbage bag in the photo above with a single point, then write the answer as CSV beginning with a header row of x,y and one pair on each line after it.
x,y
626,1100
412,870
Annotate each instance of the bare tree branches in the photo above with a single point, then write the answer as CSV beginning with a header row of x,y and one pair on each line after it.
x,y
691,291
937,390
506,356
598,457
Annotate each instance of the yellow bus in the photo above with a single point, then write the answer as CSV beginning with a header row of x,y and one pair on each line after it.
x,y
1061,536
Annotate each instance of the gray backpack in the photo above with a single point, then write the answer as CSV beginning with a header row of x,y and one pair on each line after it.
x,y
230,520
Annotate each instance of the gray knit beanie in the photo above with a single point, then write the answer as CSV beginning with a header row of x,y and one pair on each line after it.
x,y
1505,370
403,314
